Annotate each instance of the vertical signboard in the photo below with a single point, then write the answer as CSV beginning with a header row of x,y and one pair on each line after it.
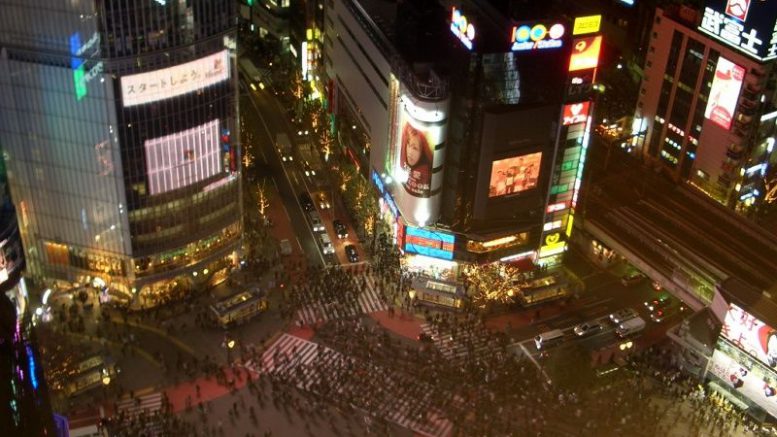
x,y
724,93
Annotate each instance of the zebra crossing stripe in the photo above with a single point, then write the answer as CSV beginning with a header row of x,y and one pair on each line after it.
x,y
148,404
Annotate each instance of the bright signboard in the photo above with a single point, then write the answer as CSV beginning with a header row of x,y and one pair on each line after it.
x,y
537,37
576,113
429,243
183,158
514,175
748,378
138,89
585,53
749,26
462,28
724,94
586,25
751,335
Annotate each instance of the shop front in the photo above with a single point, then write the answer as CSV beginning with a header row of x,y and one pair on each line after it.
x,y
438,293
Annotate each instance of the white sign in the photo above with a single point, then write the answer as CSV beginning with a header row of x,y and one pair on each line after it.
x,y
166,83
735,33
183,158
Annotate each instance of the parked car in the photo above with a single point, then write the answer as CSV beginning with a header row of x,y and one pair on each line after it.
x,y
306,202
622,315
658,303
340,229
632,279
351,253
587,328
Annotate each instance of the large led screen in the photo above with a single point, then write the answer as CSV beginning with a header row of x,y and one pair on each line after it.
x,y
166,83
514,175
429,242
183,158
751,335
724,93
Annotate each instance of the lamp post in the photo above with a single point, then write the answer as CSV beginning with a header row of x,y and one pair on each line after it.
x,y
229,344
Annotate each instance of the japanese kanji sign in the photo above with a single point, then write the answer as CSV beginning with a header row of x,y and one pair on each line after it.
x,y
751,335
749,26
166,83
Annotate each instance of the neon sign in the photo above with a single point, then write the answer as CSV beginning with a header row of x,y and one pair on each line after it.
x,y
589,24
462,28
537,37
77,62
429,243
585,53
576,113
748,26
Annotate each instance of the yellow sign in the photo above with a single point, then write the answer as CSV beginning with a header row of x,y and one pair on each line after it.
x,y
589,24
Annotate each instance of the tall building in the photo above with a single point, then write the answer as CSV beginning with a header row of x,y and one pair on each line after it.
x,y
119,132
24,398
707,104
470,123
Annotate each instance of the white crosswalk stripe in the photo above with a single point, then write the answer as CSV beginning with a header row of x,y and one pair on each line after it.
x,y
457,345
148,404
369,300
396,397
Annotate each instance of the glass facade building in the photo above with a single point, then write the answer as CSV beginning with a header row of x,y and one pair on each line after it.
x,y
119,132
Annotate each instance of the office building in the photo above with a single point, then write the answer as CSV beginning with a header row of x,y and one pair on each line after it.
x,y
706,110
120,136
471,124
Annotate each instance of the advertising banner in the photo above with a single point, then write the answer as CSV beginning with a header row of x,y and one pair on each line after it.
x,y
747,377
576,113
428,242
514,175
585,53
751,335
183,158
724,93
138,89
749,26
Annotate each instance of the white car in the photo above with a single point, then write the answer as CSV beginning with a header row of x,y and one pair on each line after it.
x,y
587,328
326,244
622,315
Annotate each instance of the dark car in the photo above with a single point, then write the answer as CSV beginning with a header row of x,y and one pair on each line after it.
x,y
306,202
340,229
350,252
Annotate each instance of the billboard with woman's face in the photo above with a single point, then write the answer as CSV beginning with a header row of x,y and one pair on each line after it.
x,y
416,157
415,160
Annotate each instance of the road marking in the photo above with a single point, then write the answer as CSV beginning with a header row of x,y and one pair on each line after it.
x,y
298,243
526,351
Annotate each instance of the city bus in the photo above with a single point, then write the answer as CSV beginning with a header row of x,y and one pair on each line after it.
x,y
239,308
89,374
434,292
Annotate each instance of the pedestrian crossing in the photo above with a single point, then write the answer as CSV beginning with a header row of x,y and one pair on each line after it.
x,y
148,408
370,300
457,345
394,396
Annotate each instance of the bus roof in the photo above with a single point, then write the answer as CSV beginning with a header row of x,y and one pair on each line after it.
x,y
237,300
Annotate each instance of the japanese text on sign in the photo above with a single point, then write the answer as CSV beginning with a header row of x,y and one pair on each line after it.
x,y
166,83
739,34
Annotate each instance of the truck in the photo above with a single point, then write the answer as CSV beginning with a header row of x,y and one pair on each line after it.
x,y
631,326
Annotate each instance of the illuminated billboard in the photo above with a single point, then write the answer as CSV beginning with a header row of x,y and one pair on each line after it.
x,y
514,175
576,113
537,37
749,26
739,372
420,134
724,93
138,89
462,28
183,158
429,242
588,24
585,53
751,335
